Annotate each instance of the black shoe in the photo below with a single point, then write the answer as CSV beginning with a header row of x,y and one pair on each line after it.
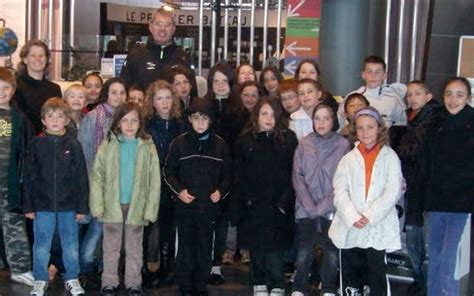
x,y
108,291
134,291
90,281
186,292
216,279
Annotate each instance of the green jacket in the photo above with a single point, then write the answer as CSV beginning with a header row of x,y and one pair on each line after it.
x,y
104,201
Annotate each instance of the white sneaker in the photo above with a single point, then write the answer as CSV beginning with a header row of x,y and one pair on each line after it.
x,y
260,290
24,278
277,292
39,288
74,287
329,294
297,293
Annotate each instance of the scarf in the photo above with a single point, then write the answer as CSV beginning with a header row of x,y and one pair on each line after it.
x,y
104,115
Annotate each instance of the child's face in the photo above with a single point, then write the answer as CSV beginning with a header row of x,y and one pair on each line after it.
x,y
76,99
246,74
200,122
55,121
455,97
93,86
249,97
270,82
308,95
6,94
220,84
373,75
136,96
117,95
354,106
36,60
129,124
323,121
307,70
367,129
181,86
289,101
163,103
266,118
417,97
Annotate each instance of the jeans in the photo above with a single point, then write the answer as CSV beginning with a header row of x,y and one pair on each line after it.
x,y
415,240
44,226
310,233
89,245
266,268
445,234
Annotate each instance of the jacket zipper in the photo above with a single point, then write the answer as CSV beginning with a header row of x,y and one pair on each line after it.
x,y
55,176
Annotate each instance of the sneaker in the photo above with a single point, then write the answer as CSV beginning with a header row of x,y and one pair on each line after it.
x,y
24,278
216,279
329,294
260,290
74,287
277,292
228,258
39,288
245,256
297,293
108,291
134,291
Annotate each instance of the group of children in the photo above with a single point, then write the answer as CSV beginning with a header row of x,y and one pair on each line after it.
x,y
260,168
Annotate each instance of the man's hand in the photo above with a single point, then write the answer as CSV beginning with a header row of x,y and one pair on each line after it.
x,y
185,196
216,196
30,215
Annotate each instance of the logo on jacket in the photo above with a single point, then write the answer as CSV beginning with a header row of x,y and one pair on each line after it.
x,y
150,66
5,128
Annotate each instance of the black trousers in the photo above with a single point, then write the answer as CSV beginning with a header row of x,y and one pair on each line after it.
x,y
361,267
266,268
193,262
220,238
159,237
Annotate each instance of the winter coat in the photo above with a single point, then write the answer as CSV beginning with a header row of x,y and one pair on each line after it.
x,y
21,135
314,165
31,94
263,195
383,230
55,175
201,167
444,177
408,147
105,188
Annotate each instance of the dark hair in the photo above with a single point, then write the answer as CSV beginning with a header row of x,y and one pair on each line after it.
x,y
240,67
335,124
120,112
462,80
353,97
104,91
307,61
7,76
183,70
25,49
225,69
135,87
275,72
238,107
373,59
92,74
421,84
315,83
280,126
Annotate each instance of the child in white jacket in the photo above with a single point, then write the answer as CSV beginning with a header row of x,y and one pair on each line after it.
x,y
367,186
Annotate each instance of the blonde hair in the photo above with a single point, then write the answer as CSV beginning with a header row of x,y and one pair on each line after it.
x,y
151,93
55,104
382,133
75,86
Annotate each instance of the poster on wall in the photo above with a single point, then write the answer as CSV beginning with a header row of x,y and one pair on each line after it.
x,y
302,33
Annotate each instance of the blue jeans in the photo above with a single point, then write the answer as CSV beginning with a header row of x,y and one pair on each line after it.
x,y
89,245
415,239
445,233
44,226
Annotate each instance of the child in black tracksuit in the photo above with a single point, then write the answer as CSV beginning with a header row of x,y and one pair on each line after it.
x,y
198,171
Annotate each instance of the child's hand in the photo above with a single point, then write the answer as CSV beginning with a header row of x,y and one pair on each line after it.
x,y
216,196
79,217
30,215
361,222
185,196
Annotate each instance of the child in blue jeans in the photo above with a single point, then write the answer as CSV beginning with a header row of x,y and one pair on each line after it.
x,y
56,194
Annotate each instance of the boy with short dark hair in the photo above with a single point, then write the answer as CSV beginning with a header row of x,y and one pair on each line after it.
x,y
15,131
386,98
56,194
198,171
